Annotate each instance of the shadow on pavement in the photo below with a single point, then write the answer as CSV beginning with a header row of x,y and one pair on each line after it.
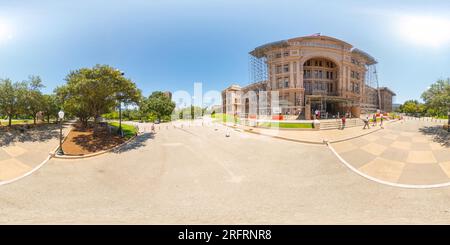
x,y
439,134
28,133
138,142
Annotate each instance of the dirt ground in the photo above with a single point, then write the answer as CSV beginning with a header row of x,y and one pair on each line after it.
x,y
81,141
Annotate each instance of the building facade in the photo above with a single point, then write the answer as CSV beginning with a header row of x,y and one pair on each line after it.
x,y
308,74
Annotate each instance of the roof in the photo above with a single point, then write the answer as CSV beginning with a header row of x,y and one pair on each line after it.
x,y
370,60
260,50
388,90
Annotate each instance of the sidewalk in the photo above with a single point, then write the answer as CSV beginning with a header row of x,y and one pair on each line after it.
x,y
22,152
313,137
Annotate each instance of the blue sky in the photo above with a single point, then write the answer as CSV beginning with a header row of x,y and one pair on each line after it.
x,y
169,45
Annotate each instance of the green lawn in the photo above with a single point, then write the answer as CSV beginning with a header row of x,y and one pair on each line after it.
x,y
286,125
128,130
224,117
15,121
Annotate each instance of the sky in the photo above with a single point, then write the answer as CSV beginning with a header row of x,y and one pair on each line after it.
x,y
170,45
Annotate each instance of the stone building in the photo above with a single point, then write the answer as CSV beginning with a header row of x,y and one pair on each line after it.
x,y
308,74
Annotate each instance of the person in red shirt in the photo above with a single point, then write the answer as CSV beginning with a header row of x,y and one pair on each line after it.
x,y
343,122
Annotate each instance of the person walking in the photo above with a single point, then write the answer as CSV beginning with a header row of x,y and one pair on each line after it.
x,y
366,122
381,121
153,128
374,119
343,122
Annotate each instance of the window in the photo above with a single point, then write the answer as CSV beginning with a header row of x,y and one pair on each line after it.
x,y
320,74
316,74
357,88
316,63
307,74
278,69
286,53
286,82
286,68
279,83
278,55
320,63
331,75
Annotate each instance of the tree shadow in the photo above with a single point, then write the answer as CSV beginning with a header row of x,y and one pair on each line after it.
x,y
439,134
138,142
28,133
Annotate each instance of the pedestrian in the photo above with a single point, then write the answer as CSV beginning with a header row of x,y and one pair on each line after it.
x,y
374,119
381,120
343,122
153,128
366,122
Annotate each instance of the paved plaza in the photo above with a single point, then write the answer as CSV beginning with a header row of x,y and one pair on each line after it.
x,y
410,152
20,152
196,175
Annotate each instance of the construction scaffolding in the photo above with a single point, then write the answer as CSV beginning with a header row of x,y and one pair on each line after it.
x,y
371,80
258,70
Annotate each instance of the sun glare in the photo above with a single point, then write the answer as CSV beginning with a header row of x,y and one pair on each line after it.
x,y
5,32
425,30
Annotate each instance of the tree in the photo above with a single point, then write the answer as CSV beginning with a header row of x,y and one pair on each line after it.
x,y
34,97
437,98
91,92
159,104
50,106
412,107
12,97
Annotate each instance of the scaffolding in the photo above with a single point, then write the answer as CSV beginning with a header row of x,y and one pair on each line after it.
x,y
371,80
258,69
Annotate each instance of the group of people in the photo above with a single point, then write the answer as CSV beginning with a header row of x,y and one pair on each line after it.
x,y
374,121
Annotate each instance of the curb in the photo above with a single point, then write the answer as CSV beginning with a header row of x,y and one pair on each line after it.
x,y
287,139
324,142
96,153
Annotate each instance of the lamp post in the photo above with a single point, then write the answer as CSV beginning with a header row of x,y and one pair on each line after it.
x,y
119,96
61,117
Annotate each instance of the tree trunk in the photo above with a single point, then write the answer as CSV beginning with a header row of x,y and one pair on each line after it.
x,y
9,121
48,118
95,125
34,120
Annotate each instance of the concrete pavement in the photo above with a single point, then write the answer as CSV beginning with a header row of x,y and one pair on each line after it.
x,y
196,175
21,152
410,153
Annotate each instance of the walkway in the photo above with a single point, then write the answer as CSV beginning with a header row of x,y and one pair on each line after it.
x,y
196,175
314,136
22,152
410,153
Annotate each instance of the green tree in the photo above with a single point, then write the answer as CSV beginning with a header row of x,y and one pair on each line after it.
x,y
50,106
12,98
412,107
159,104
34,97
437,98
91,92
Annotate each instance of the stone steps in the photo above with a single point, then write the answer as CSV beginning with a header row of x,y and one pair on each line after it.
x,y
336,124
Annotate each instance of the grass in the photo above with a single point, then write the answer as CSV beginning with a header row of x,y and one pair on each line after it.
x,y
286,125
128,130
15,122
224,117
